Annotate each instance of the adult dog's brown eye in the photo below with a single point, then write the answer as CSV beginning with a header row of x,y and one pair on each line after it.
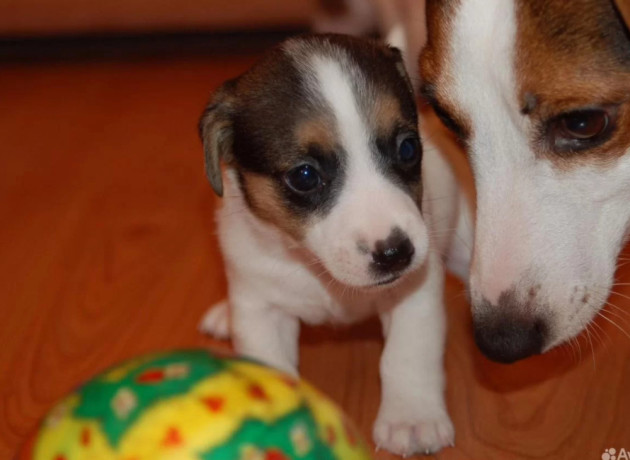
x,y
584,124
582,129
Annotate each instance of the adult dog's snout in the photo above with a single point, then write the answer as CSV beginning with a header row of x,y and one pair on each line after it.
x,y
506,332
393,254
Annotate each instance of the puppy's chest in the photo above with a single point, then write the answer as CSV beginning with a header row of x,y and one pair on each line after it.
x,y
299,287
305,291
301,290
326,302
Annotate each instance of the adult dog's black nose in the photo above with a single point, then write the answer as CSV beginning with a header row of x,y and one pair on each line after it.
x,y
394,253
507,336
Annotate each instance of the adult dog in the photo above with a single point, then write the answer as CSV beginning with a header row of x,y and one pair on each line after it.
x,y
538,92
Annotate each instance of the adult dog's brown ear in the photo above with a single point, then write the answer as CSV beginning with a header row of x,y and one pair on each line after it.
x,y
216,132
624,8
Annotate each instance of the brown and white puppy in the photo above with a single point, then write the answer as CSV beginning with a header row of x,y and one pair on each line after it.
x,y
539,94
321,219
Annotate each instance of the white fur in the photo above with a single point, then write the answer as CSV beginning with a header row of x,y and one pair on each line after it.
x,y
369,206
556,230
274,282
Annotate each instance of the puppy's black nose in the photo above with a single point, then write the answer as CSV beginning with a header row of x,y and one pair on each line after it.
x,y
505,336
394,253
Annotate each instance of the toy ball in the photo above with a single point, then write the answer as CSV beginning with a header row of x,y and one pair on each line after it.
x,y
193,405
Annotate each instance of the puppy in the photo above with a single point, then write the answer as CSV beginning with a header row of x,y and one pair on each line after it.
x,y
322,219
538,92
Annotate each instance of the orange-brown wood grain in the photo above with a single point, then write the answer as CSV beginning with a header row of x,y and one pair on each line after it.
x,y
26,18
107,250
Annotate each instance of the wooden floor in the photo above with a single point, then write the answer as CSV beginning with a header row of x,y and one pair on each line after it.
x,y
107,250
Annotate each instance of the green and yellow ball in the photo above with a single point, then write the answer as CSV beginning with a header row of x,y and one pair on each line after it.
x,y
193,405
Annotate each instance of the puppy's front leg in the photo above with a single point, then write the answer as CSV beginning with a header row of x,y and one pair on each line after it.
x,y
413,417
265,333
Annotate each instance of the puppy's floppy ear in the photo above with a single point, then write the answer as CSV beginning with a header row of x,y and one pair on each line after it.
x,y
216,132
624,8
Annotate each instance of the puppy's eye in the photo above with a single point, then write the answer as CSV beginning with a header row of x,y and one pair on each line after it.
x,y
581,129
409,151
303,179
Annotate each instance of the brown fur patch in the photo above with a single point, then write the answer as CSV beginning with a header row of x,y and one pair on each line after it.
x,y
570,56
433,63
624,8
439,24
385,114
266,201
320,131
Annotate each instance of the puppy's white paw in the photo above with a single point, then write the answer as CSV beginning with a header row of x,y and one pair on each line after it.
x,y
406,437
216,321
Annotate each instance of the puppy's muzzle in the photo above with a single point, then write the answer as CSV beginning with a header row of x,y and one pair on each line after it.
x,y
507,332
393,254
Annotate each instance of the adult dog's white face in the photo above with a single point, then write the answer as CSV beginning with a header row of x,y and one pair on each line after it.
x,y
322,134
539,93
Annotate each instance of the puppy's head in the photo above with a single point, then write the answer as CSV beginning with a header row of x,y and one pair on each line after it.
x,y
322,135
539,94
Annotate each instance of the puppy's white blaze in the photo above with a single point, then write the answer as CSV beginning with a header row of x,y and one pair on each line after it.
x,y
337,91
369,206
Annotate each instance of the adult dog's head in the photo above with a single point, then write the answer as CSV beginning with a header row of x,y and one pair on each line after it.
x,y
539,94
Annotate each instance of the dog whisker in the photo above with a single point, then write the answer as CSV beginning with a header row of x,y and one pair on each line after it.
x,y
574,352
604,334
623,264
588,336
579,345
455,235
568,349
593,333
621,329
616,314
617,308
596,333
